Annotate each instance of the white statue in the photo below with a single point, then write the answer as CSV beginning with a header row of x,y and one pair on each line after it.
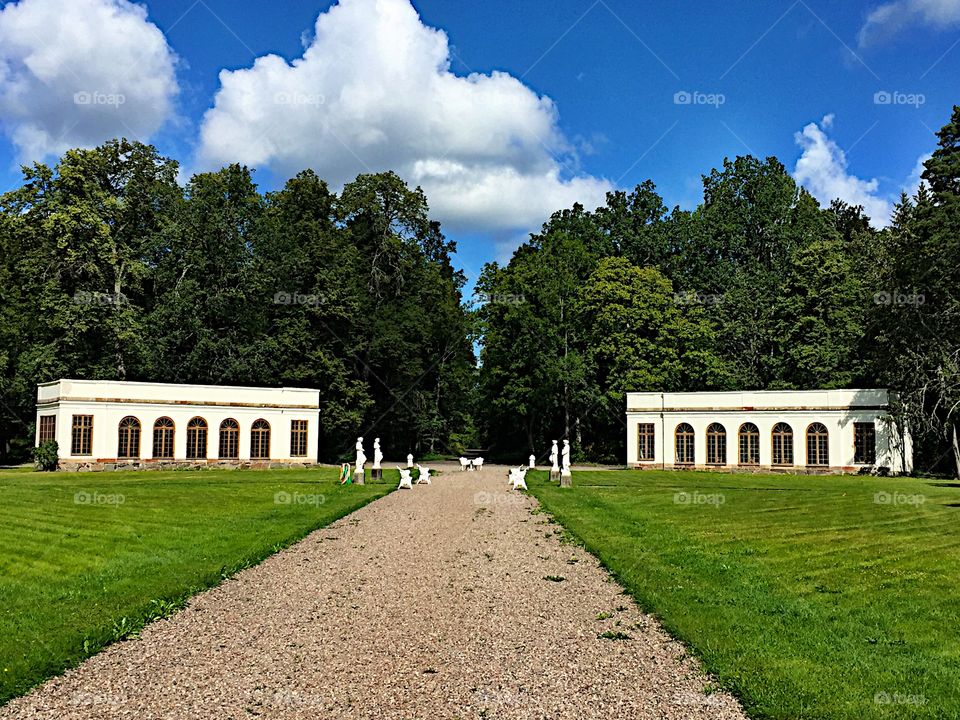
x,y
532,462
566,457
554,454
409,460
424,478
377,455
406,479
361,457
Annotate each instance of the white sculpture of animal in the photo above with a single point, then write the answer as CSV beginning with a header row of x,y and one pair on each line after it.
x,y
478,463
518,478
424,478
464,463
406,479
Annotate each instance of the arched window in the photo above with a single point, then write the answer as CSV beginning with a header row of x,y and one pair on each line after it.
x,y
163,430
749,444
197,439
716,444
818,445
229,439
260,440
684,436
128,440
782,444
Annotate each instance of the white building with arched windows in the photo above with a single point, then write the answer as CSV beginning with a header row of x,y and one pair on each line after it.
x,y
104,424
768,430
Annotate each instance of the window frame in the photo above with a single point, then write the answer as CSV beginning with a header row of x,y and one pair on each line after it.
x,y
126,435
226,433
164,430
79,433
868,458
299,437
717,438
689,442
256,445
820,440
786,442
47,428
646,441
748,440
198,429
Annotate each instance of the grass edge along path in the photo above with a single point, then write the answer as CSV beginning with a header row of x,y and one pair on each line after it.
x,y
805,596
77,576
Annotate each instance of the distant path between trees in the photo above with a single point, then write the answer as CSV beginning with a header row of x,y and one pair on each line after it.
x,y
429,603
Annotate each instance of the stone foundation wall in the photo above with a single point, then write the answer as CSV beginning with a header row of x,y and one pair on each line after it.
x,y
109,465
765,469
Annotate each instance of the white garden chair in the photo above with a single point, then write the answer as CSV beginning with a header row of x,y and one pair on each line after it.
x,y
464,463
478,463
424,478
406,479
518,478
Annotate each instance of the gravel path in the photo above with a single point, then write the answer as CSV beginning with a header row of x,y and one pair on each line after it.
x,y
430,603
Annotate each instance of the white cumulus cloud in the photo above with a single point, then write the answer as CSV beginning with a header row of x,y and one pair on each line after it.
x,y
887,20
374,91
822,170
80,72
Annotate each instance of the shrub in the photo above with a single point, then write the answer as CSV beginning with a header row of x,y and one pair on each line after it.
x,y
46,455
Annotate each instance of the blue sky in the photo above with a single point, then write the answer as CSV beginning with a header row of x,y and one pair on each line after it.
x,y
567,98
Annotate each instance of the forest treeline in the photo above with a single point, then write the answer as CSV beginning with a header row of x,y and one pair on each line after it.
x,y
757,288
109,268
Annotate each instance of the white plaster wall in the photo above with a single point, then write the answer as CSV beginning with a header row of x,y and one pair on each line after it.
x,y
79,398
646,408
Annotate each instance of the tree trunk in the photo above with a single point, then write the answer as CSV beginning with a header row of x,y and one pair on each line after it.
x,y
956,451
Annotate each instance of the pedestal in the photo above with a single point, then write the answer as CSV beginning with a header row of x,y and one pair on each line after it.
x,y
358,478
566,479
554,475
376,474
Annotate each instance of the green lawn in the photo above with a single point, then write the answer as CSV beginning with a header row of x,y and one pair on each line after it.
x,y
807,596
88,558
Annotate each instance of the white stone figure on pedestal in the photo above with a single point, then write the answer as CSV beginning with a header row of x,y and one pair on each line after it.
x,y
409,460
565,475
554,468
532,463
377,454
361,459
